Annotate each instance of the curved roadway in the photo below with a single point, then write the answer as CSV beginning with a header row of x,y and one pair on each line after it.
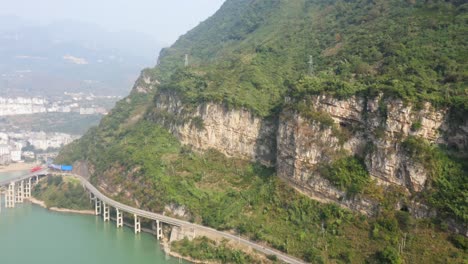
x,y
165,219
178,222
23,177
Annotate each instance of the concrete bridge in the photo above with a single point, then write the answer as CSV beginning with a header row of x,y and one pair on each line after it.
x,y
19,188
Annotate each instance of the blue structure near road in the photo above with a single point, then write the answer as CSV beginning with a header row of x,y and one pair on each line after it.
x,y
61,167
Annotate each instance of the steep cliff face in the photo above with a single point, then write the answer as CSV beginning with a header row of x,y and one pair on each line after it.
x,y
329,95
388,162
373,129
233,132
252,54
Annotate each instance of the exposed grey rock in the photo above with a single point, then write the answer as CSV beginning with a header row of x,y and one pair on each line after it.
x,y
375,127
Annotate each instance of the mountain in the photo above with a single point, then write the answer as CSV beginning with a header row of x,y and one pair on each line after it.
x,y
333,131
70,56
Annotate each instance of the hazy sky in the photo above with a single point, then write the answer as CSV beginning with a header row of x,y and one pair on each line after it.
x,y
165,20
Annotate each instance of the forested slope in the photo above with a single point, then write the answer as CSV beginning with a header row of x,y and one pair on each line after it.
x,y
286,66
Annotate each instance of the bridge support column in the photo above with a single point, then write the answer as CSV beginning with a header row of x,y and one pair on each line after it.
x,y
159,233
105,213
118,218
91,197
27,189
20,192
137,224
10,196
97,206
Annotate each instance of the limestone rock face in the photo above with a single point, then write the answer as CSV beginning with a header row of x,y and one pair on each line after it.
x,y
235,133
144,84
374,129
301,146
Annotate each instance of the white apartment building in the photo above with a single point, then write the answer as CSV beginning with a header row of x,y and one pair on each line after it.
x,y
15,155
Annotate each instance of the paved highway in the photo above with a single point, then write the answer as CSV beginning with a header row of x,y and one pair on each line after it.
x,y
23,177
165,219
178,222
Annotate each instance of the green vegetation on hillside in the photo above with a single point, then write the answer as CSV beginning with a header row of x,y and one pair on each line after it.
x,y
60,192
231,194
206,249
254,53
348,174
448,190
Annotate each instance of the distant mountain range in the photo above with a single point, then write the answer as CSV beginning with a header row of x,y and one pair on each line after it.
x,y
47,60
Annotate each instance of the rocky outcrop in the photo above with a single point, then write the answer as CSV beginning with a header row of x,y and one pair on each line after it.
x,y
456,131
376,129
235,133
373,129
145,83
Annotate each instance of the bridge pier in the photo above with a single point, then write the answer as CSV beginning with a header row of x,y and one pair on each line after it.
x,y
91,197
10,196
20,192
137,224
118,218
27,189
159,233
105,214
97,206
158,230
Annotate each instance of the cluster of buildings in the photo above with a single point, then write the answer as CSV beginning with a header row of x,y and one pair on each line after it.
x,y
28,146
24,106
9,154
21,146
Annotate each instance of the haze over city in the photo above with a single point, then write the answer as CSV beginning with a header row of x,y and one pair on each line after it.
x,y
163,20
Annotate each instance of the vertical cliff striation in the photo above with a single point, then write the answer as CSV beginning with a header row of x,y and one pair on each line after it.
x,y
299,144
233,132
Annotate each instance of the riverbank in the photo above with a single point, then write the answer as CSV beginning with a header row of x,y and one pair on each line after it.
x,y
16,167
165,244
61,210
28,230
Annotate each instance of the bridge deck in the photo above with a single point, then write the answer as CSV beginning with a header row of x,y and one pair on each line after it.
x,y
162,218
177,222
126,208
23,177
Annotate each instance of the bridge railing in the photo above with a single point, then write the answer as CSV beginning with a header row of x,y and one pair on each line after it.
x,y
158,217
5,182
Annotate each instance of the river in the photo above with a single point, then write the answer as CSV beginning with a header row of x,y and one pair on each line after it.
x,y
31,234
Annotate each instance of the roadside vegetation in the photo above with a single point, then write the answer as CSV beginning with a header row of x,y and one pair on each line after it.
x,y
205,249
60,192
249,199
254,54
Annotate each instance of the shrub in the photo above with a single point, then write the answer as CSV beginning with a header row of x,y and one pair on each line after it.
x,y
389,256
405,221
459,241
416,126
348,174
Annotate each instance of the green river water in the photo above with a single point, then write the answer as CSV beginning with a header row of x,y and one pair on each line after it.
x,y
30,234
